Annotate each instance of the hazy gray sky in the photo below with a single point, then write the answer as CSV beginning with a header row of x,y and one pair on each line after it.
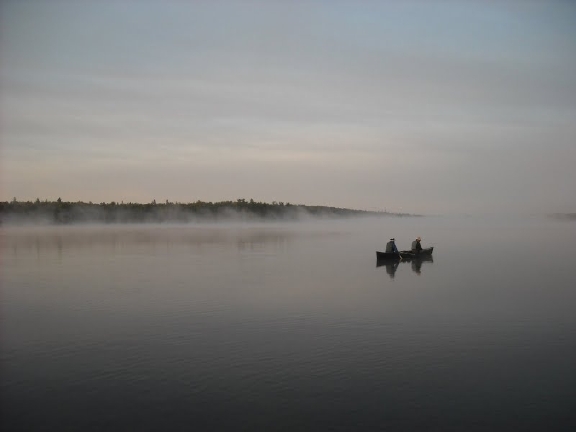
x,y
426,107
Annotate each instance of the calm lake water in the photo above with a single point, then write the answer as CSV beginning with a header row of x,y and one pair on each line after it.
x,y
289,326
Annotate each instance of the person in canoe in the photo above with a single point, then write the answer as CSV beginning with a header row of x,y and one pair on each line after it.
x,y
391,246
416,246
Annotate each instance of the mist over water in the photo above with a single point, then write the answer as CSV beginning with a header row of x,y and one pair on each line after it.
x,y
289,326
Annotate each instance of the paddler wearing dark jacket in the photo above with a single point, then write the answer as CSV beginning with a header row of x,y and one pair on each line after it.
x,y
416,246
391,246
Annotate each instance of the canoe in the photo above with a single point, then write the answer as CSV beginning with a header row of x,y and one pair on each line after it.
x,y
406,255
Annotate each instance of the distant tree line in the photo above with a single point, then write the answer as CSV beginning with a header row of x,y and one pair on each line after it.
x,y
570,216
65,212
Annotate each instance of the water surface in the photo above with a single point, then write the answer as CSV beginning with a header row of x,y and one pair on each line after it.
x,y
289,326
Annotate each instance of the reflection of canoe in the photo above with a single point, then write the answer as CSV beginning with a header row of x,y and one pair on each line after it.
x,y
423,255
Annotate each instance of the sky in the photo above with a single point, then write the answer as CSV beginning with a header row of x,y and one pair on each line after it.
x,y
429,107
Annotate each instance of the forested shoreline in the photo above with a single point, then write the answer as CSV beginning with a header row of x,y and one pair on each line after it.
x,y
566,216
67,212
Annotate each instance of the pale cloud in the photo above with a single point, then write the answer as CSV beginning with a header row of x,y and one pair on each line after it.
x,y
432,108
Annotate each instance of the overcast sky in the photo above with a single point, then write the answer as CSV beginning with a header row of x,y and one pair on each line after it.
x,y
422,107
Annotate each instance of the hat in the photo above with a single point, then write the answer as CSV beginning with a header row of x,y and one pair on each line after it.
x,y
418,238
392,239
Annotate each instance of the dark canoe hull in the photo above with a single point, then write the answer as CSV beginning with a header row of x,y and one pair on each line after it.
x,y
425,254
